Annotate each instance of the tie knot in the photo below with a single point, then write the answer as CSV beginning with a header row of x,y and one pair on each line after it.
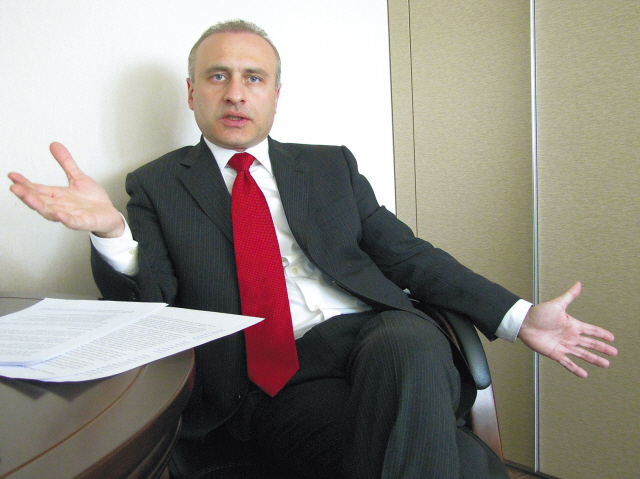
x,y
241,161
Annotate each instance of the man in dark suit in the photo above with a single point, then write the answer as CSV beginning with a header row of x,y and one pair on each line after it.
x,y
377,387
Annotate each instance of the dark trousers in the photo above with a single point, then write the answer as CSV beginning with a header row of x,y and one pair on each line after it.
x,y
374,397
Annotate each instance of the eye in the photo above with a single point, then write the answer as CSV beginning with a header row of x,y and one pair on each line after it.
x,y
218,77
253,79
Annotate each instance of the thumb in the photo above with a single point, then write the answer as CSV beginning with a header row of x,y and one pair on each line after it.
x,y
569,295
66,161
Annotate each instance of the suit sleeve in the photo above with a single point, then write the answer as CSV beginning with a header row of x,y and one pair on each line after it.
x,y
155,281
430,274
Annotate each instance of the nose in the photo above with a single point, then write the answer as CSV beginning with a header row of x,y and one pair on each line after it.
x,y
235,91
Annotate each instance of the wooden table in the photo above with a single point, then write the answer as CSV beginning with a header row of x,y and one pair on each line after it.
x,y
124,426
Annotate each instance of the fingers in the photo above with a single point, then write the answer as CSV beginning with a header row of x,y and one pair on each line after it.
x,y
585,355
40,198
590,357
29,192
34,200
597,332
66,161
20,182
17,178
599,346
24,190
23,187
573,367
589,338
584,346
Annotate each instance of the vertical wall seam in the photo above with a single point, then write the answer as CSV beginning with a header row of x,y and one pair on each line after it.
x,y
536,272
413,123
393,121
413,166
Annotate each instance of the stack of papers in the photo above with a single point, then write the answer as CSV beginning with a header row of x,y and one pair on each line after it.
x,y
74,340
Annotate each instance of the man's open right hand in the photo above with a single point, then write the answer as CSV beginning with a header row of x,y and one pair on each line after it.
x,y
83,205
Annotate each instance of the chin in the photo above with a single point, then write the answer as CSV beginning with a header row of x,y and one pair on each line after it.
x,y
233,142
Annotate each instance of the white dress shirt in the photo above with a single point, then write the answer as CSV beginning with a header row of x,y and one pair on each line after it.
x,y
313,297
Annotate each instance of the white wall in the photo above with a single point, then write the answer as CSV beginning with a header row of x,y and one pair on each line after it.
x,y
107,79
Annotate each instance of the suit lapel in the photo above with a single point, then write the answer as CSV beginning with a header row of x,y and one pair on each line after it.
x,y
293,180
204,182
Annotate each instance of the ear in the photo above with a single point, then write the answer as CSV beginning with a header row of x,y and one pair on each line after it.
x,y
277,96
190,93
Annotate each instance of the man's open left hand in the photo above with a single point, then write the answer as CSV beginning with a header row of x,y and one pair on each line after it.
x,y
550,331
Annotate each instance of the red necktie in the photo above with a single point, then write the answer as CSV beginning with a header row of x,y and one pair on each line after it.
x,y
271,349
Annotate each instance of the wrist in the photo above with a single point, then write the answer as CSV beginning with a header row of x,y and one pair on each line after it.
x,y
116,230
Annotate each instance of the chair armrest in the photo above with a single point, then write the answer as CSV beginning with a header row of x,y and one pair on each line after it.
x,y
482,418
471,347
467,340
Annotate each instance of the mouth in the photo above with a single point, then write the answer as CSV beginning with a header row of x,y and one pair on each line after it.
x,y
234,115
235,119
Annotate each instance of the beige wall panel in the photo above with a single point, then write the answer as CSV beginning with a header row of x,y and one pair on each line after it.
x,y
588,71
472,133
402,108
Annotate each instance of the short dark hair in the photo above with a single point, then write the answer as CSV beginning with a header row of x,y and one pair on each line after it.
x,y
234,26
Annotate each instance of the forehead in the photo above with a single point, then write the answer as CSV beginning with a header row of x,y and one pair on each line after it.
x,y
236,50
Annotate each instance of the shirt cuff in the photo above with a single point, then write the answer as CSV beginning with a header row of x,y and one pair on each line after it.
x,y
120,253
512,321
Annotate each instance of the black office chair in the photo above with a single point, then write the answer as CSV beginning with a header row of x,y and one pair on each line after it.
x,y
221,456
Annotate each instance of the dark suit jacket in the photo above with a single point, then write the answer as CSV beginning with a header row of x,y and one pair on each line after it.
x,y
180,213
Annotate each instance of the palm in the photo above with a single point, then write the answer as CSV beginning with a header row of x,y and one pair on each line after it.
x,y
550,331
83,205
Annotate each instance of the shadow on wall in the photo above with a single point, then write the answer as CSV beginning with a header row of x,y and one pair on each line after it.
x,y
66,269
145,116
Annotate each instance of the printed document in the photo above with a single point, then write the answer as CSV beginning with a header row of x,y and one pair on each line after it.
x,y
74,340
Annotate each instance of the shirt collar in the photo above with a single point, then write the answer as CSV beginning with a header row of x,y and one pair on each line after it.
x,y
260,152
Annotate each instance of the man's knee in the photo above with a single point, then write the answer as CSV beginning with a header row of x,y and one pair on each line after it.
x,y
401,334
397,346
